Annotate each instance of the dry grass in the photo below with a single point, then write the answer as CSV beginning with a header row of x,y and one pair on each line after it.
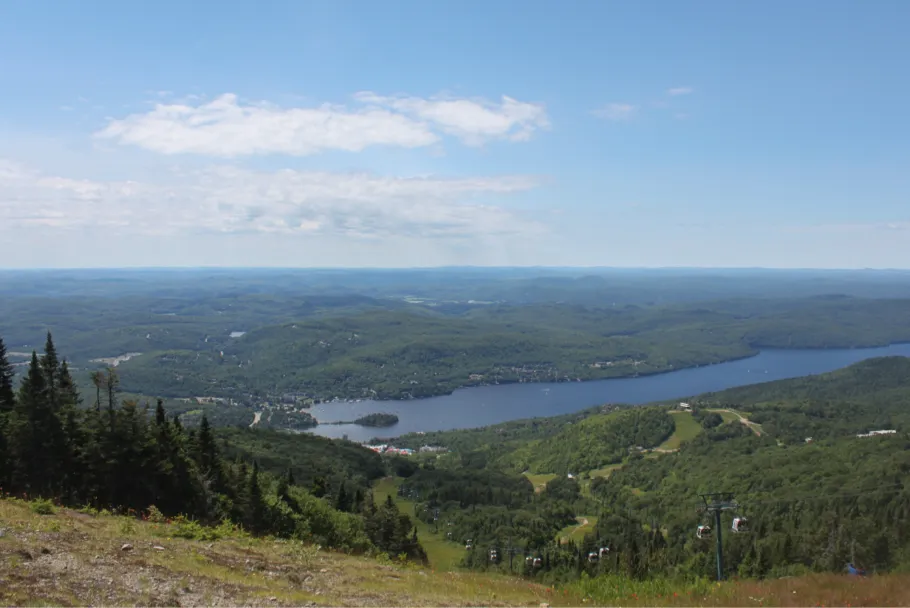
x,y
73,559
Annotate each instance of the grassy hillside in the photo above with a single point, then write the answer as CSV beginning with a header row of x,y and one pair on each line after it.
x,y
74,559
594,442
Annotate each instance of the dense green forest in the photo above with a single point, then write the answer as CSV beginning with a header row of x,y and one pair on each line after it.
x,y
254,335
120,455
399,354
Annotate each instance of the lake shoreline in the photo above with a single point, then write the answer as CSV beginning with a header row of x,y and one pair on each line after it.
x,y
757,353
480,406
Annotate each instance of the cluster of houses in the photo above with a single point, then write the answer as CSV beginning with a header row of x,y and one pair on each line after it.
x,y
876,433
384,448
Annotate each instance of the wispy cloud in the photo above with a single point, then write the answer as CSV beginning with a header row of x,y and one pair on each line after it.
x,y
231,200
473,121
617,111
677,91
852,228
225,127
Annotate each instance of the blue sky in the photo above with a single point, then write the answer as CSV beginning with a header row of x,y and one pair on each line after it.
x,y
432,133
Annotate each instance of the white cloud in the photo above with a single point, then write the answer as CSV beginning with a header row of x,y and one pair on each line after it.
x,y
474,121
233,200
616,111
677,91
225,127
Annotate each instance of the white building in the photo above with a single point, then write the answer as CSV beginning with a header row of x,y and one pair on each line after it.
x,y
877,433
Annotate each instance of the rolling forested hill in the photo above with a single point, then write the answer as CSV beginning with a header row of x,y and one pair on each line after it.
x,y
391,354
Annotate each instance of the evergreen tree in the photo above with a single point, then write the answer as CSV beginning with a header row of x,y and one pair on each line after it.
x,y
255,516
33,431
7,403
7,392
341,501
207,450
50,367
74,440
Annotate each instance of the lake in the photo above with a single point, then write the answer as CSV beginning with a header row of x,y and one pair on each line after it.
x,y
484,405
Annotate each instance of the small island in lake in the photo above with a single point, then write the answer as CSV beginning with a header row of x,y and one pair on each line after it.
x,y
379,419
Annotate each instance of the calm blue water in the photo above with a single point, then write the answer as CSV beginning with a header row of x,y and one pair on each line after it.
x,y
480,406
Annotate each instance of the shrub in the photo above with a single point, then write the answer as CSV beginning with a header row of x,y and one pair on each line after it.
x,y
42,506
155,516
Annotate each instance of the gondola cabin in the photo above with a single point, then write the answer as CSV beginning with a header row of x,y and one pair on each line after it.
x,y
703,531
740,524
537,563
494,555
468,545
604,551
592,557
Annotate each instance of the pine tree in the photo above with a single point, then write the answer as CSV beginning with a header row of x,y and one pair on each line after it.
x,y
341,501
255,516
7,403
7,392
50,367
72,458
208,457
34,429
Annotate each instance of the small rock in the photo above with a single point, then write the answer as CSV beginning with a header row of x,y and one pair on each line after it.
x,y
158,548
273,599
126,547
544,605
323,570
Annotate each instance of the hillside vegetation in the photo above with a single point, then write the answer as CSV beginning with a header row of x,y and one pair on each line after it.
x,y
594,442
69,558
812,506
126,457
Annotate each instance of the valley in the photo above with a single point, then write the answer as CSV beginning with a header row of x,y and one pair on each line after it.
x,y
537,488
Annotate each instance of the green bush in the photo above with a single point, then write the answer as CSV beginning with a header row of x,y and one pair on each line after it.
x,y
42,506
